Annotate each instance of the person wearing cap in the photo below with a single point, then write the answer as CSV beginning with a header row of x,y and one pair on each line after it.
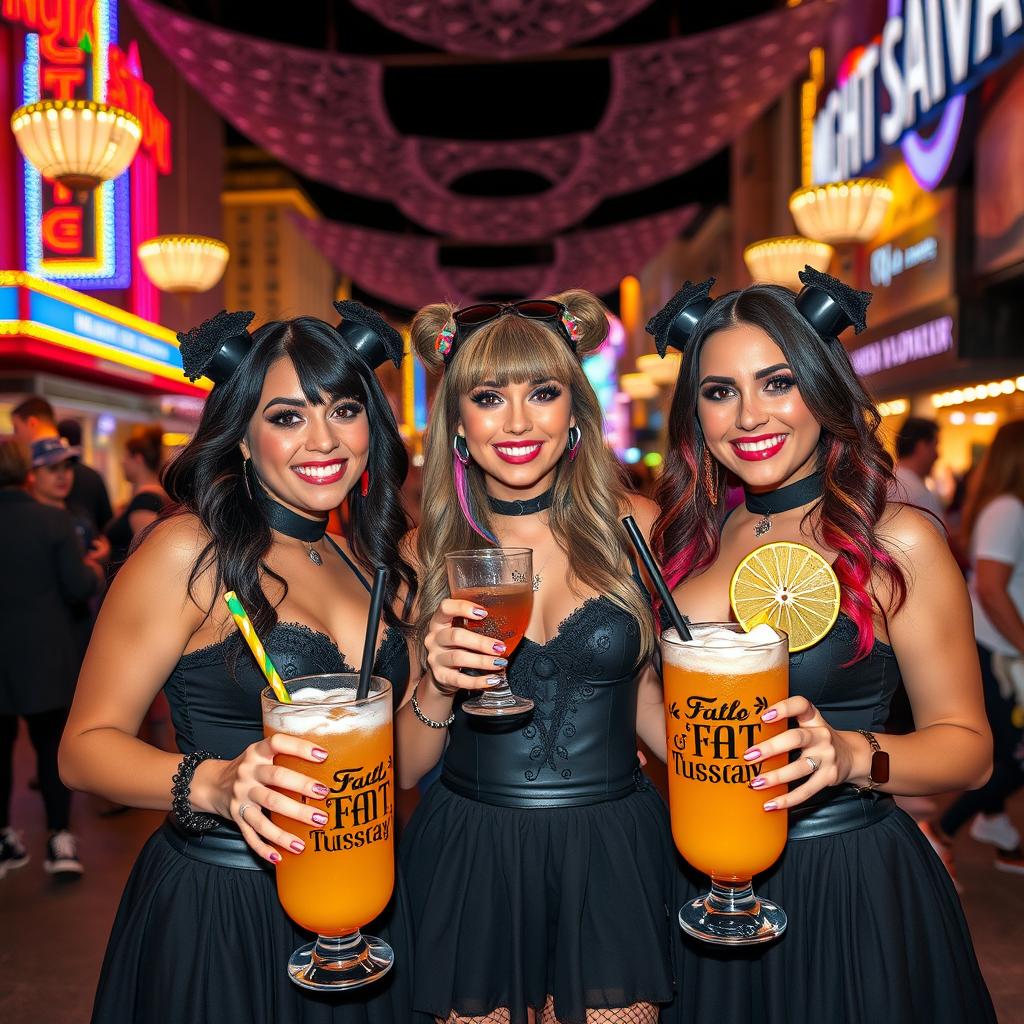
x,y
50,483
43,575
33,420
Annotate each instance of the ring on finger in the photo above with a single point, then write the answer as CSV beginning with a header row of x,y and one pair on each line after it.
x,y
241,810
814,764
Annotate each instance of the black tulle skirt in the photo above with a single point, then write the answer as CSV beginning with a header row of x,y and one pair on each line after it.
x,y
512,905
193,943
876,935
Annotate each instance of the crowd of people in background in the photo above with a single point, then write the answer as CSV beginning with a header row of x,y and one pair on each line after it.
x,y
60,544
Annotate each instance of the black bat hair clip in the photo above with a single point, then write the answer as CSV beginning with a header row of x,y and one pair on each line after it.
x,y
216,347
677,321
830,306
369,334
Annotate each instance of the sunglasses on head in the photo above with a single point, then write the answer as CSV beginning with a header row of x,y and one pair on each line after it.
x,y
470,318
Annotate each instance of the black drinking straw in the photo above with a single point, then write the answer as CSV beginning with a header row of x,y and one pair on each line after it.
x,y
656,578
372,625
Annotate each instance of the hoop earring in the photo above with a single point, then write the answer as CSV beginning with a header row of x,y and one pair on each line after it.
x,y
572,443
245,477
461,449
710,481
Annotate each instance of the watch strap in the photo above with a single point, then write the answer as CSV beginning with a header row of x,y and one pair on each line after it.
x,y
879,771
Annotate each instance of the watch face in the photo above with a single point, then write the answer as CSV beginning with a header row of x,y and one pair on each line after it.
x,y
879,767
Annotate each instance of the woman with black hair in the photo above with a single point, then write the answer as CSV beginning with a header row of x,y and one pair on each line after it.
x,y
296,424
766,394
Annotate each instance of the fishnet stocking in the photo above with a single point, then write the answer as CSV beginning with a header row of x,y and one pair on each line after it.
x,y
638,1013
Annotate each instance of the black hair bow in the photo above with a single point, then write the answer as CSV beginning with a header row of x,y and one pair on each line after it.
x,y
216,347
369,334
830,306
677,321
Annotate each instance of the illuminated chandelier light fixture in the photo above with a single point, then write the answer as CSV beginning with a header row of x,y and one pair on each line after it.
x,y
664,372
638,386
183,263
78,143
779,260
842,211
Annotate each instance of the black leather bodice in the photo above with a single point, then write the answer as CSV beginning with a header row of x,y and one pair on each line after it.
x,y
855,697
214,692
578,745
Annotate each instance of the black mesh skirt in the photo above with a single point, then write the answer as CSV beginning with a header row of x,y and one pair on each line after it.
x,y
876,935
512,905
196,943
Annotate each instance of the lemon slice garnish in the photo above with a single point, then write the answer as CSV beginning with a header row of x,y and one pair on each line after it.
x,y
789,586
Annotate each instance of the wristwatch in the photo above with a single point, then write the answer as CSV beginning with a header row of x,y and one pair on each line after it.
x,y
879,773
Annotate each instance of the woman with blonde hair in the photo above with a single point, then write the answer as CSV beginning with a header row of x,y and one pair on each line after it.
x,y
538,867
993,536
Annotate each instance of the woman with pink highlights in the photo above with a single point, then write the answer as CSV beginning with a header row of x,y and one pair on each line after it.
x,y
766,395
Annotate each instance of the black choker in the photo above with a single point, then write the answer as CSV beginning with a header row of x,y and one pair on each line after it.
x,y
526,507
782,500
290,523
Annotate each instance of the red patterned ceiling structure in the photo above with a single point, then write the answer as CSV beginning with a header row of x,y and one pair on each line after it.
x,y
671,105
511,28
406,269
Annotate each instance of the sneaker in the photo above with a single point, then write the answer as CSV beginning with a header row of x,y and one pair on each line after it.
x,y
996,830
1010,860
12,853
62,855
943,847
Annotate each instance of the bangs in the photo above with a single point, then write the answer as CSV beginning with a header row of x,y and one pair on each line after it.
x,y
511,350
326,367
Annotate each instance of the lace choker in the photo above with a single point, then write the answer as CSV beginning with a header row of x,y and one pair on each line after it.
x,y
291,524
525,507
782,500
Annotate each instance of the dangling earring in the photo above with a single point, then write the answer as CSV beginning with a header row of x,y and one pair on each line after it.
x,y
710,481
459,464
245,477
461,449
572,444
364,483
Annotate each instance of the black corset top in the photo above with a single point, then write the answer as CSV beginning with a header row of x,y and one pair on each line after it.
x,y
578,745
214,692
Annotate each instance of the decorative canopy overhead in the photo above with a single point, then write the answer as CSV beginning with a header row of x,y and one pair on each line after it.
x,y
406,269
671,106
512,28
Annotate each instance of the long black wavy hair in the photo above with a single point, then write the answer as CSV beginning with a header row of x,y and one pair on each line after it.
x,y
207,480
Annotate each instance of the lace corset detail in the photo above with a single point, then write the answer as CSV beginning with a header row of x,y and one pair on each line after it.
x,y
214,692
579,744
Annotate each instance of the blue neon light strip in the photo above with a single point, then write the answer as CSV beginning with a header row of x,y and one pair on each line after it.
x,y
9,303
62,316
113,199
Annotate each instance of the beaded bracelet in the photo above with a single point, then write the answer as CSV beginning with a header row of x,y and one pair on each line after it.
x,y
418,712
190,820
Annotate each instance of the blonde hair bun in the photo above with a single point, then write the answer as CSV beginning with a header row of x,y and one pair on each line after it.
x,y
426,326
591,316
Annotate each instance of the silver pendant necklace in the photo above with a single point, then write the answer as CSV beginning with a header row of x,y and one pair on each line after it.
x,y
314,555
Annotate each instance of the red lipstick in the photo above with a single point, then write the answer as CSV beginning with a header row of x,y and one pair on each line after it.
x,y
320,473
518,452
759,448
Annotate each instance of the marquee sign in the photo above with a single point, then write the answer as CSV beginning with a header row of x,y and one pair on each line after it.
x,y
84,239
915,75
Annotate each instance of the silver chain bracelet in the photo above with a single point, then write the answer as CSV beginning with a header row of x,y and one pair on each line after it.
x,y
418,712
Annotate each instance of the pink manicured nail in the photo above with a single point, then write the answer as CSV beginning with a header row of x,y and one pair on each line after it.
x,y
499,648
758,783
319,754
320,819
480,612
772,805
297,845
320,789
752,755
274,857
770,716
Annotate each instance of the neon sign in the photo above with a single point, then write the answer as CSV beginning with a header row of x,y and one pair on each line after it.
x,y
86,240
929,54
921,342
